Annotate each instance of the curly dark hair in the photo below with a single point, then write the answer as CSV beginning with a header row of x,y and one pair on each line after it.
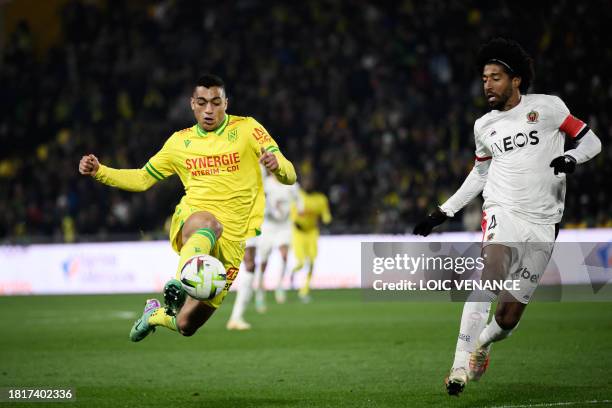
x,y
509,54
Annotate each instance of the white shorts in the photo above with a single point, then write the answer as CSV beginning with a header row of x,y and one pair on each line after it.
x,y
532,246
252,242
273,235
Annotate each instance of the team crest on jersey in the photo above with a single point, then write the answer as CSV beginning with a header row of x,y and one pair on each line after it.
x,y
187,142
232,135
532,117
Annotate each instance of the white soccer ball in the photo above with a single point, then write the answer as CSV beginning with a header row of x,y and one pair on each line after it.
x,y
203,277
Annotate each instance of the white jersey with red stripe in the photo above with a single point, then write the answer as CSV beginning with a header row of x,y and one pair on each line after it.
x,y
521,143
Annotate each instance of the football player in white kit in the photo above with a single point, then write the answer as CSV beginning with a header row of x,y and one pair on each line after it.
x,y
245,288
276,233
520,169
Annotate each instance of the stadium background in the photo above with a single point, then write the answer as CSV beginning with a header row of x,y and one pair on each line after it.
x,y
378,100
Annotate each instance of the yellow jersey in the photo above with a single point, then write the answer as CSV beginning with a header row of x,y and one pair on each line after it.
x,y
219,170
309,208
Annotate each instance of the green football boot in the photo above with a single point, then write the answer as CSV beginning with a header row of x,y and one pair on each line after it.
x,y
174,296
141,327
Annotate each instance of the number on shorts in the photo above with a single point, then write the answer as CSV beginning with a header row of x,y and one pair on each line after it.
x,y
493,223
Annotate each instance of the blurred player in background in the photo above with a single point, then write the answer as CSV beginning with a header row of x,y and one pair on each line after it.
x,y
276,233
310,208
218,161
245,289
521,166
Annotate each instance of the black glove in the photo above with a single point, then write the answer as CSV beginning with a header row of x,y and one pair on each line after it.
x,y
564,164
434,219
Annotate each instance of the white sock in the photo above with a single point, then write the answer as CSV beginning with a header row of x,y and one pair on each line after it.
x,y
473,321
243,296
282,276
461,359
259,286
258,278
493,333
260,296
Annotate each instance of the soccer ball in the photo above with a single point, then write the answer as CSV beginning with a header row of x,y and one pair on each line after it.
x,y
203,277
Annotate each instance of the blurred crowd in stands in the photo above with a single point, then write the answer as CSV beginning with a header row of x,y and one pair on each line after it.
x,y
376,100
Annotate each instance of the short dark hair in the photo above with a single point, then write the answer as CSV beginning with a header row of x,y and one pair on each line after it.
x,y
210,80
510,55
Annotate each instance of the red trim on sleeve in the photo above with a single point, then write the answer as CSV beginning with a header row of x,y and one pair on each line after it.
x,y
483,225
483,158
571,126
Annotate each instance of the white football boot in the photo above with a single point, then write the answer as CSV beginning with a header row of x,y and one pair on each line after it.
x,y
456,380
238,324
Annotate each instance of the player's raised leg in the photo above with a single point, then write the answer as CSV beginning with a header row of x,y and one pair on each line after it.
x,y
200,232
199,235
506,318
511,306
245,290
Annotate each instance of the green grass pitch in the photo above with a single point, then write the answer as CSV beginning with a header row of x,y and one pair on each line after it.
x,y
338,351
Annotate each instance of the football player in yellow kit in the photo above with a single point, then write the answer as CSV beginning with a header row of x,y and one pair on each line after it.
x,y
217,161
310,208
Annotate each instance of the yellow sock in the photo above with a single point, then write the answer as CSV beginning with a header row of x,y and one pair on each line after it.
x,y
201,242
305,290
161,318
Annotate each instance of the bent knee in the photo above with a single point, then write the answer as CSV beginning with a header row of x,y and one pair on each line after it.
x,y
217,228
187,333
507,321
201,220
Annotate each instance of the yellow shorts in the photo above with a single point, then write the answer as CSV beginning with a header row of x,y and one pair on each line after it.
x,y
230,253
305,244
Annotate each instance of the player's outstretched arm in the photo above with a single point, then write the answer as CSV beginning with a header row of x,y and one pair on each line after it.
x,y
125,179
270,155
587,147
471,187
